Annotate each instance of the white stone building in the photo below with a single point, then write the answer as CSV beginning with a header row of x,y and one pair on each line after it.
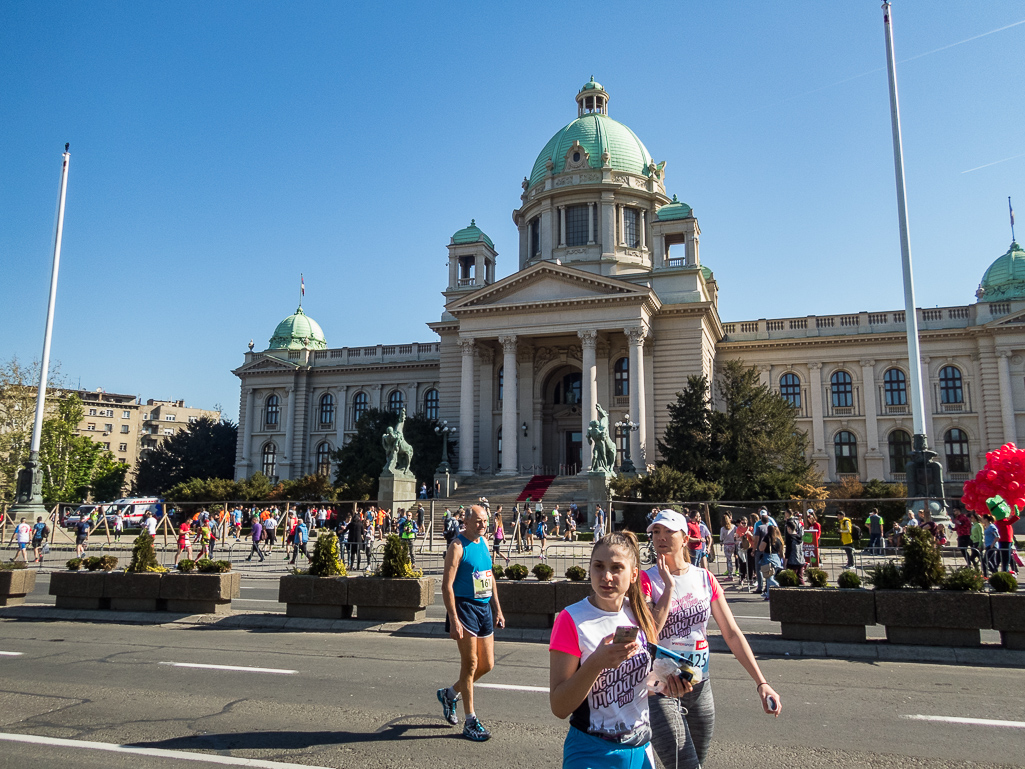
x,y
612,305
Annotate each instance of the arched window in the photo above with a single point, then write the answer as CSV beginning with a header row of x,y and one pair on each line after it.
x,y
501,382
272,411
790,389
571,384
951,387
577,228
499,441
270,460
360,403
842,389
327,409
622,376
431,404
846,448
396,401
895,388
899,443
955,444
324,458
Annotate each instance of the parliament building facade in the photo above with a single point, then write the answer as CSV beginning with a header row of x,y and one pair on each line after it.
x,y
612,305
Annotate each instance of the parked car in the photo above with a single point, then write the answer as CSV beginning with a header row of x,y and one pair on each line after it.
x,y
71,519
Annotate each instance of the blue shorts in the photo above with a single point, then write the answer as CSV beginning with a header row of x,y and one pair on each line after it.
x,y
585,751
21,545
475,617
697,555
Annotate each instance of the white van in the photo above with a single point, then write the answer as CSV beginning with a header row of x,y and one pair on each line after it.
x,y
133,509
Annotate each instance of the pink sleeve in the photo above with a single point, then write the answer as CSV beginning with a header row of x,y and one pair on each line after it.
x,y
646,585
564,635
716,587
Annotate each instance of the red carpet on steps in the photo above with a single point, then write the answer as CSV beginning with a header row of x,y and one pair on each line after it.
x,y
536,487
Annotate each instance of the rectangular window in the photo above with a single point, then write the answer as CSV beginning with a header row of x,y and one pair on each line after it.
x,y
122,461
576,225
168,417
193,420
106,446
91,426
535,236
630,232
126,414
108,428
168,431
125,428
110,412
145,416
92,412
122,447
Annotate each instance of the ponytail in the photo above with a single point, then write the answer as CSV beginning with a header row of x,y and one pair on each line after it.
x,y
638,603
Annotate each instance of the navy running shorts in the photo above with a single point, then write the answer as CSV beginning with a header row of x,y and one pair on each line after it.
x,y
475,617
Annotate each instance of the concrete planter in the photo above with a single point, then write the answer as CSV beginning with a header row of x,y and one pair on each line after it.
x,y
130,591
566,593
79,589
199,593
528,603
15,585
822,614
1009,618
933,617
385,599
316,597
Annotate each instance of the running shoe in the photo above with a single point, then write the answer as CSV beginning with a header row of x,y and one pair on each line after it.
x,y
474,730
448,706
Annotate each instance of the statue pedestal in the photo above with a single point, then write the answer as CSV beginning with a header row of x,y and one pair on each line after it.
x,y
597,494
396,492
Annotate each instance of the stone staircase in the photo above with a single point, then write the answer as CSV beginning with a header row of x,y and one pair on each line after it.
x,y
505,491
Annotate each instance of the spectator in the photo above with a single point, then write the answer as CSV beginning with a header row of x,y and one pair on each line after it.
x,y
811,523
727,538
795,546
990,537
978,538
408,532
356,532
875,533
1005,527
599,523
770,561
897,535
846,538
300,538
571,528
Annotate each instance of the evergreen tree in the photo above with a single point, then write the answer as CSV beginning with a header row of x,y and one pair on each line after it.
x,y
204,449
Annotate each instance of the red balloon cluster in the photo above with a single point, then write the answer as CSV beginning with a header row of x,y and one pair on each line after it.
x,y
1004,474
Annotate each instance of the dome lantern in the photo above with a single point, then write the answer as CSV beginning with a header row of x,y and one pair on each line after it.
x,y
592,98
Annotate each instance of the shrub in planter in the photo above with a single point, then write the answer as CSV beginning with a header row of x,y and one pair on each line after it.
x,y
92,563
923,565
516,572
12,565
543,572
1003,582
395,561
817,578
497,571
206,566
144,557
787,578
965,578
576,573
848,580
327,561
74,564
186,566
108,562
887,576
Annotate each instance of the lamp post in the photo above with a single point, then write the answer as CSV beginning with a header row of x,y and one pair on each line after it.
x,y
29,494
444,431
626,427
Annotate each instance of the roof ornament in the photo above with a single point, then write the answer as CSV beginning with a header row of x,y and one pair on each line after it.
x,y
473,222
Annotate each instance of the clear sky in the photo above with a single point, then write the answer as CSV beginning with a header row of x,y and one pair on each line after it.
x,y
221,148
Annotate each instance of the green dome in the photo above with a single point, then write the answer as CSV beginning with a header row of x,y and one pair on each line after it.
x,y
674,210
597,133
297,332
471,234
1005,278
592,86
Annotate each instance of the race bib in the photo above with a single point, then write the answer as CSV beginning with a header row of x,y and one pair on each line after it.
x,y
695,650
483,584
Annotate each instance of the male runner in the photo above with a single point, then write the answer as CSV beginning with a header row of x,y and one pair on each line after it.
x,y
468,588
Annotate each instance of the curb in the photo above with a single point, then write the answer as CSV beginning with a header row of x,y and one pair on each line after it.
x,y
762,644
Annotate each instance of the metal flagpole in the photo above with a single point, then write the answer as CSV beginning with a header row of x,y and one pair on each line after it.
x,y
30,478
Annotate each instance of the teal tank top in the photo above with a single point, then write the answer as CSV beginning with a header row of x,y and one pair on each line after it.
x,y
474,580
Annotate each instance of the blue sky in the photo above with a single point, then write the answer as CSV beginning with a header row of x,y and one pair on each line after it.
x,y
220,149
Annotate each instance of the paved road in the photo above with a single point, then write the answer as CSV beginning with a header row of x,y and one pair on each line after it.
x,y
367,700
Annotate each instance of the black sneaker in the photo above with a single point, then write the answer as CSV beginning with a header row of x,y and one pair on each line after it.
x,y
474,730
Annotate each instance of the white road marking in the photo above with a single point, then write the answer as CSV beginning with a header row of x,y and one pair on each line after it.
x,y
970,721
230,667
510,686
11,654
182,755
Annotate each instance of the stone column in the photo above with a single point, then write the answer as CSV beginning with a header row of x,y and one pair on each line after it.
x,y
562,226
643,223
546,230
868,384
1006,396
289,432
590,223
637,412
588,391
247,432
486,406
375,396
510,398
928,400
608,224
465,435
341,413
763,375
818,443
621,236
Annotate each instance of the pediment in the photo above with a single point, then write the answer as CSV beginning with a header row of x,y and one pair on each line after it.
x,y
266,363
548,283
1014,319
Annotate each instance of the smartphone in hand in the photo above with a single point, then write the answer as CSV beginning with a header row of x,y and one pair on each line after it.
x,y
625,634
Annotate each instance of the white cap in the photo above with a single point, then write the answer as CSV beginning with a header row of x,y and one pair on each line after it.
x,y
671,519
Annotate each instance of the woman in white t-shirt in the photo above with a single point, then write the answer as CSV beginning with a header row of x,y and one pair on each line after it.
x,y
682,728
728,540
600,685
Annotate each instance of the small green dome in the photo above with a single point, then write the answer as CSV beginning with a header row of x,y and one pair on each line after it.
x,y
707,273
592,86
597,133
675,210
1005,278
471,234
297,332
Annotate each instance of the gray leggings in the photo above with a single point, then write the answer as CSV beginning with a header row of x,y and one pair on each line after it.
x,y
681,729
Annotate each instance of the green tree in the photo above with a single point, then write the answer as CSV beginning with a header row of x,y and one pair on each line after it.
x,y
686,442
361,460
18,385
204,449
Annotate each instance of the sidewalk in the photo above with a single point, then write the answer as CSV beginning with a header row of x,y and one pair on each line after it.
x,y
762,644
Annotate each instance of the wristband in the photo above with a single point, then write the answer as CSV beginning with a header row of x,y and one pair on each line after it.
x,y
763,683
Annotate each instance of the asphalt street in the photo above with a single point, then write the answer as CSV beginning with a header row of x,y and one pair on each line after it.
x,y
367,700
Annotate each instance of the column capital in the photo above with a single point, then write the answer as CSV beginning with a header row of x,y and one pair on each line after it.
x,y
764,367
867,363
636,334
508,343
814,365
466,345
588,338
1003,353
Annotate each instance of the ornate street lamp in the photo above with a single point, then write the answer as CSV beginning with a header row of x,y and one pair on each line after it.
x,y
444,431
624,428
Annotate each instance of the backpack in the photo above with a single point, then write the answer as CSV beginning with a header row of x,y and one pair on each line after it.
x,y
855,532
